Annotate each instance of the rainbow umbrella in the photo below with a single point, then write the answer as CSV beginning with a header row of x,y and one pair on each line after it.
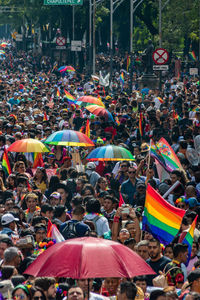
x,y
89,100
66,68
100,111
69,138
28,145
2,52
4,44
110,153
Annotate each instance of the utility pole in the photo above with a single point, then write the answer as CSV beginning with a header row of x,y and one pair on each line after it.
x,y
111,39
131,46
90,36
160,23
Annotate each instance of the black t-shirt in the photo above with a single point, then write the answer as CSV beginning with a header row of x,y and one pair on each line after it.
x,y
78,121
157,266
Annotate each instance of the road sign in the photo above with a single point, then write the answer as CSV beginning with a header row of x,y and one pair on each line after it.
x,y
61,47
160,56
63,2
60,41
193,71
76,45
18,37
161,67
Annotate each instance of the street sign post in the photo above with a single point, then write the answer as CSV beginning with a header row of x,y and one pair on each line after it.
x,y
60,41
161,67
160,56
76,45
63,2
193,71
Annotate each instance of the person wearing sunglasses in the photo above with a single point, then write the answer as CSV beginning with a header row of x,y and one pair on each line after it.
x,y
128,187
39,294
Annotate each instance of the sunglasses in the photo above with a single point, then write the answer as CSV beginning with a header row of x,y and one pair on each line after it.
x,y
131,172
124,166
38,298
17,297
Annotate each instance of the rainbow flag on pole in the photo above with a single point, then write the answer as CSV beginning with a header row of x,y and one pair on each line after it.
x,y
121,78
156,154
171,160
6,164
140,124
37,160
69,96
58,93
54,233
187,237
87,128
193,56
160,218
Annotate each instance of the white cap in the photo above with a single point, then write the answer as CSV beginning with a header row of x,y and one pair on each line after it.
x,y
7,219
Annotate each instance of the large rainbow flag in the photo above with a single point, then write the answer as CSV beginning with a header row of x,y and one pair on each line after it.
x,y
171,160
187,237
69,96
160,218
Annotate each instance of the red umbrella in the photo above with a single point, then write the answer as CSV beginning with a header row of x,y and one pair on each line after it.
x,y
88,257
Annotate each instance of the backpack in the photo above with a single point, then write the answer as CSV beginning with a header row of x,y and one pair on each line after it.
x,y
69,231
94,221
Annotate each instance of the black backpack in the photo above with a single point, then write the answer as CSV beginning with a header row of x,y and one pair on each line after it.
x,y
69,231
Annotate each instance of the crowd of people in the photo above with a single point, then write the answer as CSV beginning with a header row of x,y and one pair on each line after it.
x,y
82,197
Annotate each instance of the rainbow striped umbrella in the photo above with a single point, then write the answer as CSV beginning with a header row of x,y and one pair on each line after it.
x,y
66,68
69,138
100,111
88,100
28,145
110,153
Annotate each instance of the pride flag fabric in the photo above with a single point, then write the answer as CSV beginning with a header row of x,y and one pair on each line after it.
x,y
128,62
156,154
187,237
160,218
6,164
37,160
58,93
69,96
87,128
121,78
171,160
53,232
193,56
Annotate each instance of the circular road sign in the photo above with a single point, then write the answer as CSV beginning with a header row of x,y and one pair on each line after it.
x,y
160,56
60,41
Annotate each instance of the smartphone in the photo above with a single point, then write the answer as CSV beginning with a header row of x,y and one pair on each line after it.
x,y
126,210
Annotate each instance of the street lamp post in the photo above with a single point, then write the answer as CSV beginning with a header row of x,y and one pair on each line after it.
x,y
94,50
111,39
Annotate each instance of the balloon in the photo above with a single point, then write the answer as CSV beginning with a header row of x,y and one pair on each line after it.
x,y
192,156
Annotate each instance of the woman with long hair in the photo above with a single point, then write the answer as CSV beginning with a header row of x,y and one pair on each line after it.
x,y
40,179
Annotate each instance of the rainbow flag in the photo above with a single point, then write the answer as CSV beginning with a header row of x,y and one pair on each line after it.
x,y
58,93
160,218
6,164
87,128
160,99
187,237
37,160
69,96
176,116
140,124
121,78
193,56
117,121
128,62
45,117
171,160
53,232
156,154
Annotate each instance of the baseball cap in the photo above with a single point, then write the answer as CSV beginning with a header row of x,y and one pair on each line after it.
x,y
193,202
55,195
90,166
7,219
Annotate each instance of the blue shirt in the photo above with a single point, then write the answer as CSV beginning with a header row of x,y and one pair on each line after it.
x,y
129,189
13,101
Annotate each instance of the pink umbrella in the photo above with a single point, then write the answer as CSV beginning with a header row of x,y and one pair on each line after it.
x,y
89,257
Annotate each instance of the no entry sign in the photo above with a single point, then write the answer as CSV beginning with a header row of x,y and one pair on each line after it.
x,y
160,56
61,41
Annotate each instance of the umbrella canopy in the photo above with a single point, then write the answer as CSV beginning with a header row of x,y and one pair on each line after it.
x,y
66,68
89,257
88,100
28,145
110,153
100,111
69,138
